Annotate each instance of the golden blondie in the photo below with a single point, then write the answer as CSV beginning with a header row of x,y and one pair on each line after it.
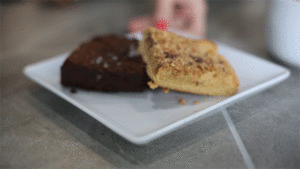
x,y
186,65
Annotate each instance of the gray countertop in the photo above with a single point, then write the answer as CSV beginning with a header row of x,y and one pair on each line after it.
x,y
38,129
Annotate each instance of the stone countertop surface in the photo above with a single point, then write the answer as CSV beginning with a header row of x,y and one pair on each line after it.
x,y
38,129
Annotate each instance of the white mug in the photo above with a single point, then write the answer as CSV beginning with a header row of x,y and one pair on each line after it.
x,y
283,30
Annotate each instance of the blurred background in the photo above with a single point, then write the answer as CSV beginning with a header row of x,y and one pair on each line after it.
x,y
51,27
35,30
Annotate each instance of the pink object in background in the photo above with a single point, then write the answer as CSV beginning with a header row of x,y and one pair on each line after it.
x,y
188,16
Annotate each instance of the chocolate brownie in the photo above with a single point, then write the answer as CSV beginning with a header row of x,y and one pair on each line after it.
x,y
106,63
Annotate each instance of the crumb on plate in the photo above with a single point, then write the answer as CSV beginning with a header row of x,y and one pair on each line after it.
x,y
166,90
73,90
182,101
152,85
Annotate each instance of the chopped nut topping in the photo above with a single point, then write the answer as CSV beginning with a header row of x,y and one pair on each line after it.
x,y
99,60
152,85
158,66
98,77
182,101
198,59
105,65
115,57
168,55
166,90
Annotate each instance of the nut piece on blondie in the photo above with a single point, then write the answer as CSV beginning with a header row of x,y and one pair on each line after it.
x,y
186,65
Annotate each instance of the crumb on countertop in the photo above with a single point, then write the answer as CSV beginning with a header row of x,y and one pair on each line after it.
x,y
196,102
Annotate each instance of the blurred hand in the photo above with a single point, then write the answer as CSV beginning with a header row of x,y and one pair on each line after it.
x,y
184,15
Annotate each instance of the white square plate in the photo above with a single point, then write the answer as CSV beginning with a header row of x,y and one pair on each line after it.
x,y
143,117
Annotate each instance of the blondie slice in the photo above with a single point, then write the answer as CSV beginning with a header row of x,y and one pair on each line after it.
x,y
186,65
